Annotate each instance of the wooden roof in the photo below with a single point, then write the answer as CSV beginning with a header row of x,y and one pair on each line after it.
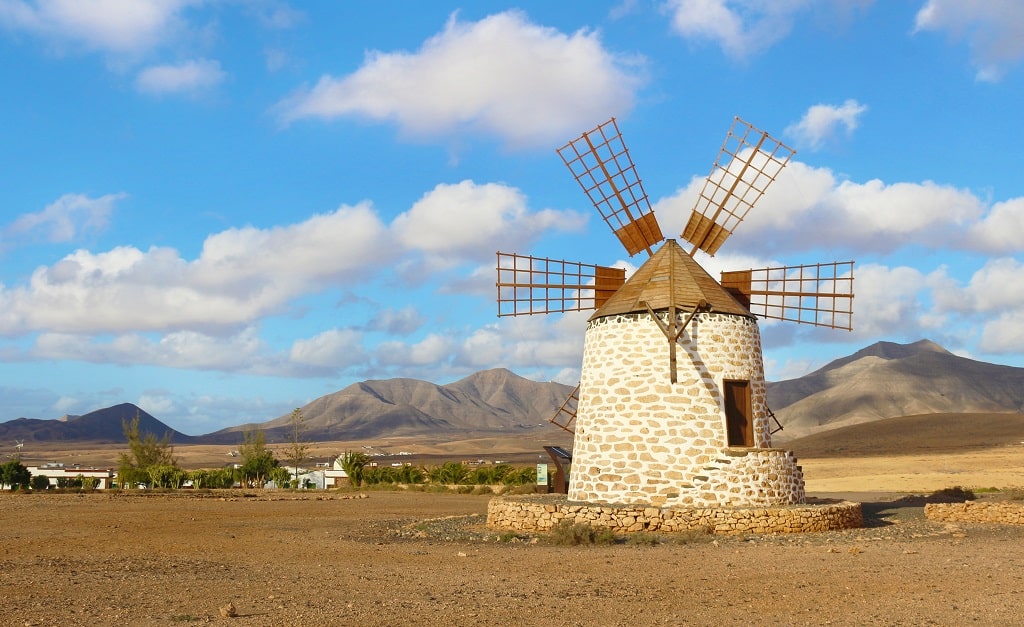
x,y
670,270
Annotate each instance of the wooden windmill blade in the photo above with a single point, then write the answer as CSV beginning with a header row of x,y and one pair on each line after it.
x,y
747,163
820,294
531,285
566,414
600,162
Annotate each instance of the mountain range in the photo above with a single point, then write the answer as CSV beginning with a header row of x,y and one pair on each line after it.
x,y
887,380
884,380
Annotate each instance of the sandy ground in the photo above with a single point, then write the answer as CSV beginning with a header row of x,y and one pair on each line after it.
x,y
1000,468
396,558
399,558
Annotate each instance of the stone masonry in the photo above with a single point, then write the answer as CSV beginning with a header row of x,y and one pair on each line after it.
x,y
1001,512
642,440
532,514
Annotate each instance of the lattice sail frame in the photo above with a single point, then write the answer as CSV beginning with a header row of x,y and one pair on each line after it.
x,y
533,285
600,162
820,294
565,417
749,161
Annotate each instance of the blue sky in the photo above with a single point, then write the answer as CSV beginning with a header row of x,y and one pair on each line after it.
x,y
222,209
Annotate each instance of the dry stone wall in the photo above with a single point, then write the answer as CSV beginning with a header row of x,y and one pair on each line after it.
x,y
533,514
641,439
1002,512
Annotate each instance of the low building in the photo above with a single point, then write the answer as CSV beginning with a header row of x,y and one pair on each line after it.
x,y
335,476
60,475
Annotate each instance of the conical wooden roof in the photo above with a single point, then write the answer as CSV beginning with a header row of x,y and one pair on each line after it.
x,y
670,272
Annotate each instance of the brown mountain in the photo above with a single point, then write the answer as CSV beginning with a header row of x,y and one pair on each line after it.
x,y
887,380
884,380
491,402
100,426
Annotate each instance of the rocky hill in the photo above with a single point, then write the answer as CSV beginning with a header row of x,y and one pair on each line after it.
x,y
884,380
887,380
487,402
100,426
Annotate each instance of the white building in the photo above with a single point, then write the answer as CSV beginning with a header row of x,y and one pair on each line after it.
x,y
55,472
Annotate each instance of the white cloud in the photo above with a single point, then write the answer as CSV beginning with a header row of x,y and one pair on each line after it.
x,y
1001,230
335,348
116,26
808,208
240,352
433,350
740,27
994,31
240,275
189,77
1003,335
397,321
244,274
888,301
822,123
527,342
65,219
503,75
470,221
994,288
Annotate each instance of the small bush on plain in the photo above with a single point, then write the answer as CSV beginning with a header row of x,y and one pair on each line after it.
x,y
694,536
643,538
567,533
1012,494
956,492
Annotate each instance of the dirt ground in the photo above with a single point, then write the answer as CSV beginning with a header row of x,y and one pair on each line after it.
x,y
400,558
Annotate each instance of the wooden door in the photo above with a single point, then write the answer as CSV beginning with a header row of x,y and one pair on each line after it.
x,y
738,419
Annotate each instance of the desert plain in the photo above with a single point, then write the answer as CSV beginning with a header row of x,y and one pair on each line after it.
x,y
345,557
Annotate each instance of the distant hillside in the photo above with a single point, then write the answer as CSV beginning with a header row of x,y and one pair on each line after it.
x,y
914,435
102,425
887,380
488,402
884,380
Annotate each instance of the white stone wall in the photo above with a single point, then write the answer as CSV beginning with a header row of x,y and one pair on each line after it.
x,y
641,439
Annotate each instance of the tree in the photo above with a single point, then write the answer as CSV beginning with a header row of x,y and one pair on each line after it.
x,y
40,482
166,476
200,478
14,475
280,476
145,451
449,473
297,447
257,459
353,464
222,477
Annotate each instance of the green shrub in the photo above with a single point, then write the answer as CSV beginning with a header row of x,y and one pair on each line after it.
x,y
642,538
693,536
1012,494
956,493
567,533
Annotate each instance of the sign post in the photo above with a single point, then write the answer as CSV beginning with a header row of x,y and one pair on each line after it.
x,y
542,478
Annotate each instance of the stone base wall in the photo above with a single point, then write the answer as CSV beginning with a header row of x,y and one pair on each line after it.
x,y
747,478
530,514
1003,512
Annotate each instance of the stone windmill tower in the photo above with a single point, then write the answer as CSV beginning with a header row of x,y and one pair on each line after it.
x,y
671,408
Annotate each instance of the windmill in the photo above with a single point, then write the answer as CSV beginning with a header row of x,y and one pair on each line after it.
x,y
672,296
